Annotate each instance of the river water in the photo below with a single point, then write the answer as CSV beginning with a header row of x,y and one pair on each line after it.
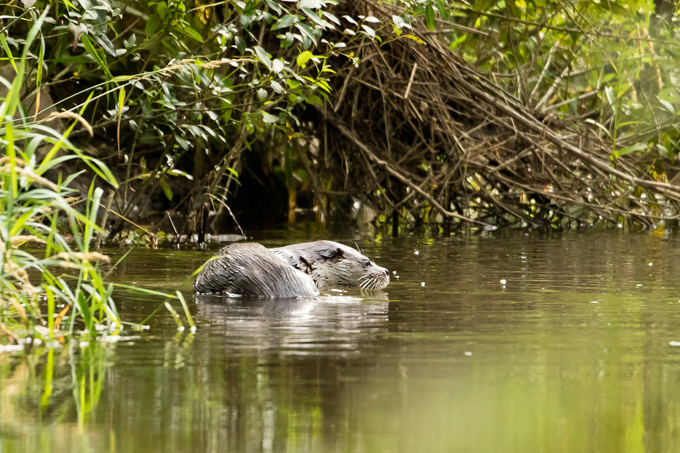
x,y
516,342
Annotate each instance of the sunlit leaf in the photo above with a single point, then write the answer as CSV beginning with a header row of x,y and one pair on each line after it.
x,y
303,58
284,22
262,55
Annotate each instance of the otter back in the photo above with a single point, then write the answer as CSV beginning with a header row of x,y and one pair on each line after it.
x,y
249,269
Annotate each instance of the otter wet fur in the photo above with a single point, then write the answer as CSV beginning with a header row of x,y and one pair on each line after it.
x,y
252,270
298,270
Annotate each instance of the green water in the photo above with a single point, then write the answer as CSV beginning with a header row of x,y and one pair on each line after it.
x,y
462,363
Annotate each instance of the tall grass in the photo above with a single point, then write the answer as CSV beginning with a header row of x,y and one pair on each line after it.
x,y
36,209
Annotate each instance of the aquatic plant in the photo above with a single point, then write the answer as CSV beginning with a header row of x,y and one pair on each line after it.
x,y
34,209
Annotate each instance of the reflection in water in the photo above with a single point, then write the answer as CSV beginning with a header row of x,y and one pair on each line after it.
x,y
301,326
572,353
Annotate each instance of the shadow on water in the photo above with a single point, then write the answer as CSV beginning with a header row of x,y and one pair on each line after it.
x,y
511,343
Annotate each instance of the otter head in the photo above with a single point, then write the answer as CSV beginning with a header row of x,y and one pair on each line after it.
x,y
340,265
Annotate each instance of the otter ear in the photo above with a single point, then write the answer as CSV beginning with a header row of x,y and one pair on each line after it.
x,y
304,265
337,254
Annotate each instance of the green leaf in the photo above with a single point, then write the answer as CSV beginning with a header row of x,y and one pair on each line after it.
x,y
92,51
312,15
240,44
368,30
350,20
153,25
284,22
5,46
106,43
458,40
78,59
308,31
314,100
668,105
162,10
267,118
277,87
312,4
166,189
191,33
262,55
274,6
303,58
429,17
441,7
601,126
611,98
630,149
331,17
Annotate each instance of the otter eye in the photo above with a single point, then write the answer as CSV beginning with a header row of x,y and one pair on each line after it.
x,y
367,263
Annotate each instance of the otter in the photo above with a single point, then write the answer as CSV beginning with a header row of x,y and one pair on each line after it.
x,y
331,264
250,269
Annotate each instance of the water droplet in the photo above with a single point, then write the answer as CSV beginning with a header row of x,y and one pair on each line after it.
x,y
594,302
468,353
422,283
503,281
416,252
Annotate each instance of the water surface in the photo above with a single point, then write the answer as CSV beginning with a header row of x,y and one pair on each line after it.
x,y
571,354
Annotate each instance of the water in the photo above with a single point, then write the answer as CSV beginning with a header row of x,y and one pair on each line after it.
x,y
571,354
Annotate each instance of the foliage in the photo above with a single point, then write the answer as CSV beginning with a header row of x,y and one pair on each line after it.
x,y
176,91
30,210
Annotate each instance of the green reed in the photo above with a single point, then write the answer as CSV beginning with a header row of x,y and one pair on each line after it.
x,y
35,209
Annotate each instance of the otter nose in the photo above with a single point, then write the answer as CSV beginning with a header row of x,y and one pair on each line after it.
x,y
386,271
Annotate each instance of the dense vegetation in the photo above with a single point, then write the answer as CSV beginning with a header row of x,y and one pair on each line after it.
x,y
543,113
553,114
